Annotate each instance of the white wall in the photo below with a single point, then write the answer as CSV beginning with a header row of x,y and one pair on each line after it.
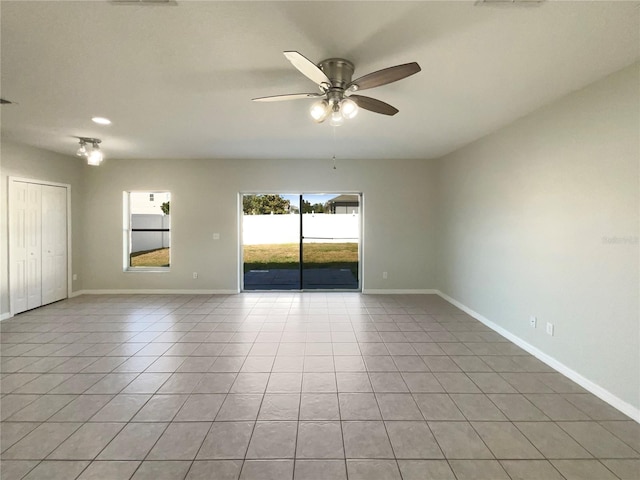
x,y
27,162
204,201
525,221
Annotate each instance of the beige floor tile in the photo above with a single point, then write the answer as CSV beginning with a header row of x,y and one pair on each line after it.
x,y
366,439
82,408
11,432
551,440
226,440
478,470
121,408
398,406
373,470
556,407
180,441
86,442
517,407
112,470
267,469
458,440
41,441
41,409
162,470
273,440
56,470
626,469
215,470
531,470
425,470
359,406
505,441
133,442
17,469
319,440
285,382
598,441
320,470
160,408
583,470
437,406
477,407
413,440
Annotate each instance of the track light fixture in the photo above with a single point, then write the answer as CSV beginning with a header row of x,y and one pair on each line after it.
x,y
94,157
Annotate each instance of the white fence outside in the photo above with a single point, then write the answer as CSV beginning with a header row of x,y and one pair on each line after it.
x,y
274,229
142,241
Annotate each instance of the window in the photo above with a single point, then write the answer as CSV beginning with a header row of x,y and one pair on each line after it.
x,y
147,231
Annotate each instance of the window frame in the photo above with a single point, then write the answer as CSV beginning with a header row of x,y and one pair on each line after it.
x,y
127,231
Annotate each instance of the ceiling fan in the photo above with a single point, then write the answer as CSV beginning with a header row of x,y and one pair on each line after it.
x,y
336,98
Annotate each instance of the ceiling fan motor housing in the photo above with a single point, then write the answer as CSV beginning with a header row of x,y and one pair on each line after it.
x,y
339,71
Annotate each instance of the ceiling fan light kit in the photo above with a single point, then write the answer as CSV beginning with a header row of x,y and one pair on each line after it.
x,y
334,79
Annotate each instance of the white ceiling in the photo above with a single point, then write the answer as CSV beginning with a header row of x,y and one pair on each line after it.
x,y
177,80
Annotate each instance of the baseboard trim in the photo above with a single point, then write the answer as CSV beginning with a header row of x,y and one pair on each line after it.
x,y
152,291
585,383
5,316
380,291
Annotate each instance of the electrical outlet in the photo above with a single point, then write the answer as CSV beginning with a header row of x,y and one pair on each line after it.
x,y
195,274
75,276
384,275
533,321
216,236
550,328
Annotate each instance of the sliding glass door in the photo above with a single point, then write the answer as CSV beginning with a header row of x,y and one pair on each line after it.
x,y
301,241
271,242
330,242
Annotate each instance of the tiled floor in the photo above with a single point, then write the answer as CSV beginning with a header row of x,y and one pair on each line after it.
x,y
291,385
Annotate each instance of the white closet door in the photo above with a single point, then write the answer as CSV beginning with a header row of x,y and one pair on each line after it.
x,y
33,240
18,254
54,243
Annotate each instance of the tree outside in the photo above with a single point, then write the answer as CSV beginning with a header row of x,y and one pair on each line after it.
x,y
265,205
307,207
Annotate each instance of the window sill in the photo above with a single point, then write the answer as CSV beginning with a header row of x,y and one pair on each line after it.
x,y
147,270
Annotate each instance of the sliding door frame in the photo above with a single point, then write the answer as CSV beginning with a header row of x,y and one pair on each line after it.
x,y
240,244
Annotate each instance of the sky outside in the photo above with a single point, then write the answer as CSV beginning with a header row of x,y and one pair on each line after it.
x,y
311,198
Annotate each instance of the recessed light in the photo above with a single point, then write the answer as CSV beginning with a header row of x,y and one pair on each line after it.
x,y
101,120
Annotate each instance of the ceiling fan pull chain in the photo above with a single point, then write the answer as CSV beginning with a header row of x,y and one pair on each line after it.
x,y
334,148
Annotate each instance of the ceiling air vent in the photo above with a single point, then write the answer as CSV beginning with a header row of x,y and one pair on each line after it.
x,y
509,3
143,2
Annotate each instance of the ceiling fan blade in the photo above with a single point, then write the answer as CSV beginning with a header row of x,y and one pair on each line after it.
x,y
387,75
374,105
291,96
307,68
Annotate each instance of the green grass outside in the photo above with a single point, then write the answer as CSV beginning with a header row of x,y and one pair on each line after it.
x,y
150,258
287,256
268,257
